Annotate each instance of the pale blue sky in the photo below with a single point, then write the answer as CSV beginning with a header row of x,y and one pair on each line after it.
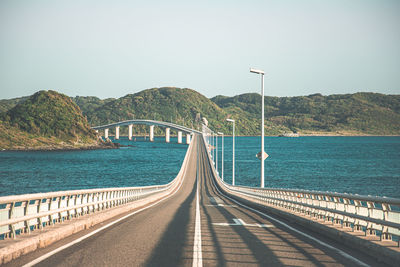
x,y
112,48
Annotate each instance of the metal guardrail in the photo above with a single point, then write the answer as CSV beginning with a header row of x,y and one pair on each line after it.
x,y
25,213
372,215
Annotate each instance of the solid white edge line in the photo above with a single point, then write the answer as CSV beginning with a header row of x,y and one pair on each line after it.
x,y
341,252
51,253
197,252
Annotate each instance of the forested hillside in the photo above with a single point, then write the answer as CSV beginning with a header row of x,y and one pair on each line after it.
x,y
361,113
182,106
45,120
349,114
7,104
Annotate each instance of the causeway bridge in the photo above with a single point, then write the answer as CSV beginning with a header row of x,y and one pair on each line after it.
x,y
198,220
151,123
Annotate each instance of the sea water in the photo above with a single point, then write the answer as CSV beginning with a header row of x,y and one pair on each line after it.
x,y
358,165
361,165
139,163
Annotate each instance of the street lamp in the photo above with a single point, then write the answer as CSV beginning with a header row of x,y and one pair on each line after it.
x,y
213,147
222,154
233,151
216,150
262,157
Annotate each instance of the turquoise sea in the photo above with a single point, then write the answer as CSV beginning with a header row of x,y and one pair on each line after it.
x,y
362,165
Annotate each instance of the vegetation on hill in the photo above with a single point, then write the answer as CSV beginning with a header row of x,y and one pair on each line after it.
x,y
7,104
181,106
46,120
89,103
349,114
361,113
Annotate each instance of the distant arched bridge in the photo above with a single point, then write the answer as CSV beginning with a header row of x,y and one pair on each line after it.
x,y
167,125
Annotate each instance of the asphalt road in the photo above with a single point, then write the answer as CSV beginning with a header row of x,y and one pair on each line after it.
x,y
231,234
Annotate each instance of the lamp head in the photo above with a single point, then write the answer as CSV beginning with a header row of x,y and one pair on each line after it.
x,y
257,71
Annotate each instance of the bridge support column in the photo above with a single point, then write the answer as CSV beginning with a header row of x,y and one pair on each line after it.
x,y
167,133
188,139
151,133
130,132
117,132
179,137
106,133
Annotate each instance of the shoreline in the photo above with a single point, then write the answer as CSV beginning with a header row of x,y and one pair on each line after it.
x,y
113,145
61,149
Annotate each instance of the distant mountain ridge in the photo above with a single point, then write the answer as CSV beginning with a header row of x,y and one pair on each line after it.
x,y
360,113
347,114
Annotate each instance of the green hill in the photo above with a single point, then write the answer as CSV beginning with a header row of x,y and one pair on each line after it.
x,y
361,113
182,106
46,120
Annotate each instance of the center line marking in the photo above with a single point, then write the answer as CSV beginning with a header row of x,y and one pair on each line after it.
x,y
197,254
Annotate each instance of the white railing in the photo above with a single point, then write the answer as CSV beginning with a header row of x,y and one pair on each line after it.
x,y
25,213
372,215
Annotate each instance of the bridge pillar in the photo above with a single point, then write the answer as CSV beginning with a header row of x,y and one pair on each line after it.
x,y
106,133
167,132
188,139
151,133
130,132
179,137
117,132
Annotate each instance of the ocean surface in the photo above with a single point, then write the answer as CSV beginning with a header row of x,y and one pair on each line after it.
x,y
361,165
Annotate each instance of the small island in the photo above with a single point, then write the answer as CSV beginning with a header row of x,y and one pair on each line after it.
x,y
47,120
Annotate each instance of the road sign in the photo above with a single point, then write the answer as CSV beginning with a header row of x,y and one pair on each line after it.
x,y
264,156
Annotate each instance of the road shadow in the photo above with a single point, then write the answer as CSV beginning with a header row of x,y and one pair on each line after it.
x,y
169,251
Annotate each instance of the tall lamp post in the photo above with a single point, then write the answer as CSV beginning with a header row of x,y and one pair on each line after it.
x,y
216,150
262,157
233,151
212,147
222,154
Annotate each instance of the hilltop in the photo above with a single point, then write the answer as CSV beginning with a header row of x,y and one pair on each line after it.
x,y
347,114
46,120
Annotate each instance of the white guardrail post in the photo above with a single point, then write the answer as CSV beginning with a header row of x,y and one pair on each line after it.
x,y
377,216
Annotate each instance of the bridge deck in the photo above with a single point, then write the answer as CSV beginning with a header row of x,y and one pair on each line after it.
x,y
231,234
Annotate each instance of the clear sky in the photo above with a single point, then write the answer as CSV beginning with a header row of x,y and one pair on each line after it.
x,y
112,48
